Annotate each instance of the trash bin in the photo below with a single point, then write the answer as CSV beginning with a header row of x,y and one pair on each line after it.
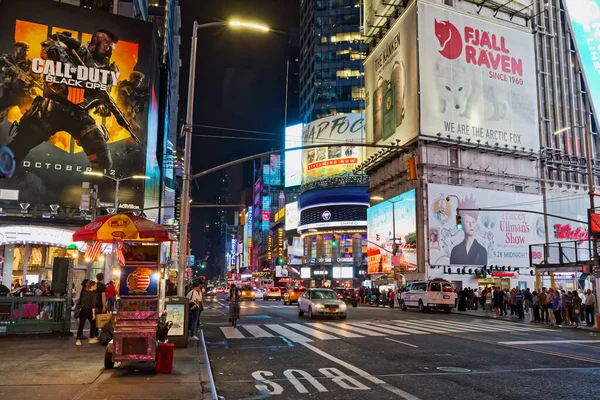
x,y
164,358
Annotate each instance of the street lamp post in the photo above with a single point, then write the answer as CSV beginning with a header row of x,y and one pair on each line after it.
x,y
188,129
117,183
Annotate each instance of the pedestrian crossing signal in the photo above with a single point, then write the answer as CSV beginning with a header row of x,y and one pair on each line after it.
x,y
333,242
458,220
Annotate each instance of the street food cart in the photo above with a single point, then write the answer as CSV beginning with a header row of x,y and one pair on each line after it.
x,y
136,246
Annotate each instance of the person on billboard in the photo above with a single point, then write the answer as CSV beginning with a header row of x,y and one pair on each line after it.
x,y
66,104
469,251
18,82
133,95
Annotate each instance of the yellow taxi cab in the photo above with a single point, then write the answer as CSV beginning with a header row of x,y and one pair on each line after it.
x,y
292,295
248,294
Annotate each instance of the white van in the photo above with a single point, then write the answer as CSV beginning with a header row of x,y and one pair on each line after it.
x,y
425,295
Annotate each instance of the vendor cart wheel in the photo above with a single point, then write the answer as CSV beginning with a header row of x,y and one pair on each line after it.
x,y
108,361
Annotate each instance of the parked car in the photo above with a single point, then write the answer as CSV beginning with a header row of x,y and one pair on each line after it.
x,y
293,295
348,296
272,293
426,295
323,302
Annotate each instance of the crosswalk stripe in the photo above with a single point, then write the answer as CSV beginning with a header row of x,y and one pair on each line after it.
x,y
256,331
436,328
378,329
508,326
232,333
355,329
408,330
312,332
291,335
331,329
468,327
455,326
420,326
503,323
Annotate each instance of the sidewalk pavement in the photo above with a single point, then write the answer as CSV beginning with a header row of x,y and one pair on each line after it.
x,y
54,368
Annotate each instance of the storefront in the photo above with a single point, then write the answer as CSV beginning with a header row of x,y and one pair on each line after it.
x,y
27,254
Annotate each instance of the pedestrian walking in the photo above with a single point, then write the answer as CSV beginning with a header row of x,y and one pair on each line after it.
x,y
590,307
488,303
377,297
576,304
111,296
556,306
566,305
392,297
544,305
195,298
535,304
86,311
519,303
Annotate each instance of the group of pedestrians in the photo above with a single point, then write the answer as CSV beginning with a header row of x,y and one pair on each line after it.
x,y
555,307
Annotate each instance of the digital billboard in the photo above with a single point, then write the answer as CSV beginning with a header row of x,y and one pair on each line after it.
x,y
477,79
293,159
338,156
390,85
487,237
79,94
398,212
272,171
585,19
291,216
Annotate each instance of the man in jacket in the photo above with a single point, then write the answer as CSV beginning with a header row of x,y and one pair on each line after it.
x,y
590,307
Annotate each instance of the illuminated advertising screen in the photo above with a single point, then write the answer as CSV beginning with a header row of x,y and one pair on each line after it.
x,y
293,159
274,175
291,216
585,19
487,237
338,156
394,216
79,94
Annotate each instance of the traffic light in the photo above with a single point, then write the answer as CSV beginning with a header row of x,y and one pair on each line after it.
x,y
243,217
203,264
279,261
333,241
411,168
458,220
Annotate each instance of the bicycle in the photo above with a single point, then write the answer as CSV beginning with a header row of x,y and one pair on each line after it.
x,y
234,313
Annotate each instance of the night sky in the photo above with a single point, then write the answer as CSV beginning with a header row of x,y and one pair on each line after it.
x,y
240,83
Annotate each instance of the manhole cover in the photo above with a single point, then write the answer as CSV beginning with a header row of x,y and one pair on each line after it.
x,y
453,369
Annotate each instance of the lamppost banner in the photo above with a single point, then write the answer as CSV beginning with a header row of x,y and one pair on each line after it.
x,y
79,93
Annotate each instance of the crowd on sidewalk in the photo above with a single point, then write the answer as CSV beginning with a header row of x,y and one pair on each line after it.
x,y
555,307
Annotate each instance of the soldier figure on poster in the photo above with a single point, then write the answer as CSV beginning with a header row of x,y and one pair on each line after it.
x,y
18,82
66,103
133,95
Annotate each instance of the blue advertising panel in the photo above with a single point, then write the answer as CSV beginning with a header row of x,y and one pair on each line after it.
x,y
585,25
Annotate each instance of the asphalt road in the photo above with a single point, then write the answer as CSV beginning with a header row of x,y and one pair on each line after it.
x,y
390,354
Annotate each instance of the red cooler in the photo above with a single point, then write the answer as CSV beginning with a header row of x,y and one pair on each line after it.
x,y
164,358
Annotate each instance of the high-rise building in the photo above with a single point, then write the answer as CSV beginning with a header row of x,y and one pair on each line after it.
x,y
331,58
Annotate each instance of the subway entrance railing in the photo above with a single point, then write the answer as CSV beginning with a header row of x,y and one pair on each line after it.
x,y
34,315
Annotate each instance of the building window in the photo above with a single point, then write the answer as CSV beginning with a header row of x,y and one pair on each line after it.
x,y
347,73
358,93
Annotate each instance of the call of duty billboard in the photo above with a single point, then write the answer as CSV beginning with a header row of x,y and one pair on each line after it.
x,y
77,94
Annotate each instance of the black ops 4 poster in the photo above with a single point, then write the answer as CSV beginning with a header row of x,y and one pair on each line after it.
x,y
77,94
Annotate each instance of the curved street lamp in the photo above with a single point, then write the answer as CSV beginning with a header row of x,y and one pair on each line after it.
x,y
187,161
117,182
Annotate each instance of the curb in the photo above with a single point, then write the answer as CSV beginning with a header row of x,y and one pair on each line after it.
x,y
207,372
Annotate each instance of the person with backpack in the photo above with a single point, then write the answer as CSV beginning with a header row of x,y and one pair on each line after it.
x,y
233,298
